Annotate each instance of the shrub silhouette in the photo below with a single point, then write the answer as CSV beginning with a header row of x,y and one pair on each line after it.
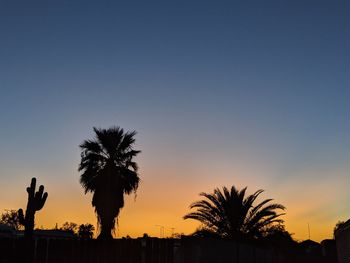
x,y
70,227
11,219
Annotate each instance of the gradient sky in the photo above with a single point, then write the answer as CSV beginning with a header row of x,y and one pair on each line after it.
x,y
250,93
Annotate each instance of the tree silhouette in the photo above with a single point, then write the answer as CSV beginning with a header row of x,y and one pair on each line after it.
x,y
231,214
109,172
86,231
11,219
339,225
70,227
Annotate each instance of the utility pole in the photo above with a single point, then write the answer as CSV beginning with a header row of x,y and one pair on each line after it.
x,y
172,231
308,226
161,231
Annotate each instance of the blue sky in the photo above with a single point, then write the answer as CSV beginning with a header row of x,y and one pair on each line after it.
x,y
208,85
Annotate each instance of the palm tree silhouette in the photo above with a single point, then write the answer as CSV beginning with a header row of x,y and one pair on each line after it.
x,y
231,214
109,172
86,231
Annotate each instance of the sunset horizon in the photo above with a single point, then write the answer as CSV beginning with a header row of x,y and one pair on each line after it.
x,y
147,209
214,94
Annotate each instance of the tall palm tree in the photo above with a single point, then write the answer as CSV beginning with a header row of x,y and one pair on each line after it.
x,y
233,215
109,172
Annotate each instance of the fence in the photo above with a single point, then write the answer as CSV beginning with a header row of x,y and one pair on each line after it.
x,y
149,250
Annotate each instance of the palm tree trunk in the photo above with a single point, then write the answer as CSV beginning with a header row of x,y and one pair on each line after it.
x,y
105,233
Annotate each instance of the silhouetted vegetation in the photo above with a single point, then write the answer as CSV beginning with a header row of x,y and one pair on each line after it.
x,y
70,227
279,238
86,231
278,232
36,201
230,214
338,226
11,219
109,172
235,227
83,231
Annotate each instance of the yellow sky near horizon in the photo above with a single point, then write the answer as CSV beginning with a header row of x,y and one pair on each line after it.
x,y
164,200
220,93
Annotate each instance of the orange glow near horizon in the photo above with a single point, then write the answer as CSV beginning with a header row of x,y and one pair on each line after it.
x,y
164,200
220,93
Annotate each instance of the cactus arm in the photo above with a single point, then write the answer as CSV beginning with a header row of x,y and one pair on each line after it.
x,y
40,198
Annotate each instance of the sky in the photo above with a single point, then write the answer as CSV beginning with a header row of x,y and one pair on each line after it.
x,y
221,93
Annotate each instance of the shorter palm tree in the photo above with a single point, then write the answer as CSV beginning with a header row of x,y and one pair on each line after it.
x,y
233,215
86,231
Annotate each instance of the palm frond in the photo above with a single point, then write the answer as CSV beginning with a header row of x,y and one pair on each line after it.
x,y
231,214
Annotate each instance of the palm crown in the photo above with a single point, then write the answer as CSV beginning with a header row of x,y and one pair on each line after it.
x,y
109,172
231,214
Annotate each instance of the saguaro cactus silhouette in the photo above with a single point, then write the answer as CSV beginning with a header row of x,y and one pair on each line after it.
x,y
36,201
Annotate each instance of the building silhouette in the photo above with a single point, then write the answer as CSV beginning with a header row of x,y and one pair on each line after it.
x,y
342,239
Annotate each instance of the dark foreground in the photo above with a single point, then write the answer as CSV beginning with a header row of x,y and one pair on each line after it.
x,y
150,250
